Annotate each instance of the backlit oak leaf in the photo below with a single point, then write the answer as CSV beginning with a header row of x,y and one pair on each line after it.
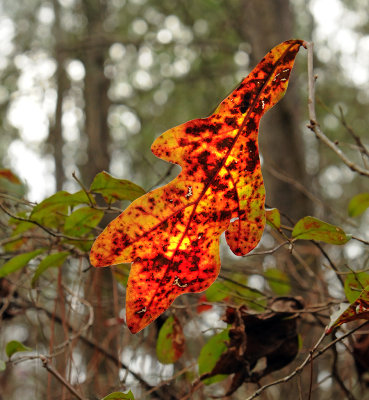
x,y
171,235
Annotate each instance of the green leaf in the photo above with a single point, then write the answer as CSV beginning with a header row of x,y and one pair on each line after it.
x,y
80,197
354,284
121,273
358,204
210,354
18,262
218,291
119,396
21,226
53,210
311,228
170,343
52,260
278,281
82,220
14,347
113,189
2,365
273,218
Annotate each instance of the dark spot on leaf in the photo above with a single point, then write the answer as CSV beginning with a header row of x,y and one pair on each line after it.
x,y
225,143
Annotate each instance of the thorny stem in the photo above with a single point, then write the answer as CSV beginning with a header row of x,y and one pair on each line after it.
x,y
314,125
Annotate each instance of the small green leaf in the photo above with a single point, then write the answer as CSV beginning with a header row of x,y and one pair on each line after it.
x,y
311,228
119,396
14,347
52,260
113,189
218,291
273,218
22,226
278,281
18,262
2,365
82,220
121,273
80,197
210,354
170,343
358,204
53,210
354,284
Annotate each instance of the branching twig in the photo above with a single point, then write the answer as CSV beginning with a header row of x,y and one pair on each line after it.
x,y
307,360
271,251
337,377
49,231
314,125
46,364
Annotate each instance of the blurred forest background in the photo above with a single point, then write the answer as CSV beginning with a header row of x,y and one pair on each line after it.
x,y
86,86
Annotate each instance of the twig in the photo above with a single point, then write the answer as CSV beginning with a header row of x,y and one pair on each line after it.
x,y
97,346
315,127
331,263
336,375
254,290
271,251
84,189
360,144
307,360
360,240
45,363
16,200
49,231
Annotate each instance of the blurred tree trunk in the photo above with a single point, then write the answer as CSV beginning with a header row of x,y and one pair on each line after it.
x,y
99,285
265,24
56,134
95,92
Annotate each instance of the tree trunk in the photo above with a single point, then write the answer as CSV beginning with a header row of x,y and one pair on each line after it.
x,y
99,284
56,134
265,24
95,94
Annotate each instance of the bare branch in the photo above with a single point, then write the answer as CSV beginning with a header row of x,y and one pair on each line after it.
x,y
314,125
53,371
307,360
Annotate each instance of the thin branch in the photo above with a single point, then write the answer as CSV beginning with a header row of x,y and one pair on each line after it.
x,y
337,377
271,251
360,240
97,346
46,364
315,127
49,231
84,189
307,360
360,144
331,263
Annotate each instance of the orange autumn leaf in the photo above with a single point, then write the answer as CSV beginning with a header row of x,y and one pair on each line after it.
x,y
171,235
